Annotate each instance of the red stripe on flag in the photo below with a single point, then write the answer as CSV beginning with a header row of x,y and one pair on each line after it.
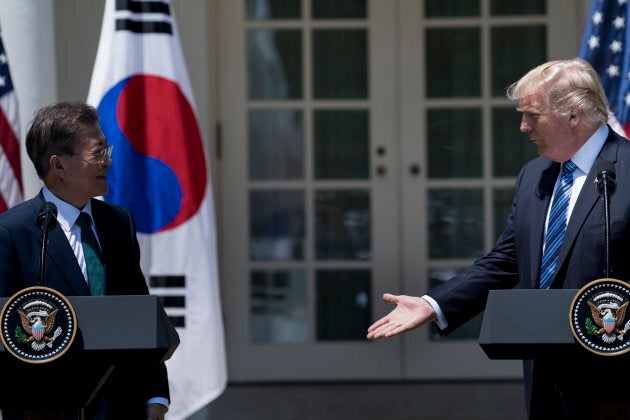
x,y
3,205
11,147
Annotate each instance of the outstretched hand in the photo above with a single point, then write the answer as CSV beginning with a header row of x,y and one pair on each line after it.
x,y
411,312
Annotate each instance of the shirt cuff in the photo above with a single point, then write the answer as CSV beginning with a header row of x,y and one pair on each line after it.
x,y
158,400
441,319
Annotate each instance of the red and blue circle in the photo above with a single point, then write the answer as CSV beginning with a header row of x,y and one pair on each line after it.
x,y
159,169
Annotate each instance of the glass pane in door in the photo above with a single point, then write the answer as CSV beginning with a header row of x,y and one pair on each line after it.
x,y
341,144
343,306
273,9
342,225
455,223
515,50
339,9
451,8
276,144
278,306
274,64
340,64
511,7
453,62
454,142
276,225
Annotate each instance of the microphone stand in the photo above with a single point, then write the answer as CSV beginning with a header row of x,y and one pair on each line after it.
x,y
47,219
606,229
606,186
42,257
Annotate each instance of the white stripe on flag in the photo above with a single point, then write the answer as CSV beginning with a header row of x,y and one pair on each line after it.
x,y
10,165
9,185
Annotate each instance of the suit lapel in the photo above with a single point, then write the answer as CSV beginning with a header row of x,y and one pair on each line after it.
x,y
60,254
586,201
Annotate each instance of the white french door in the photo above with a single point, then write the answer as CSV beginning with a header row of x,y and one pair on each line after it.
x,y
366,147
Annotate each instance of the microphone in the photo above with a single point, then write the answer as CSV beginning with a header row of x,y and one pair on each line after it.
x,y
47,220
606,178
47,216
606,185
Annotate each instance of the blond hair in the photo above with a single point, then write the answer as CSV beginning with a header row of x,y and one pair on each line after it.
x,y
567,85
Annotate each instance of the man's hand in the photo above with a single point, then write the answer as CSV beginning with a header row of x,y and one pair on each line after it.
x,y
156,411
410,312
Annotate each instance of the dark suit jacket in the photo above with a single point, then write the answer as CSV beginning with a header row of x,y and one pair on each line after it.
x,y
516,257
20,248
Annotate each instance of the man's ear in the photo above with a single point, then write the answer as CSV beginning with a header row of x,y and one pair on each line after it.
x,y
57,166
574,117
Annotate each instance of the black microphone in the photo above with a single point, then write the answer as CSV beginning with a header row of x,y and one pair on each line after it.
x,y
606,178
47,220
606,185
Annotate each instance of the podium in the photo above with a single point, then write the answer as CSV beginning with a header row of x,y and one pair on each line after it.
x,y
114,332
528,324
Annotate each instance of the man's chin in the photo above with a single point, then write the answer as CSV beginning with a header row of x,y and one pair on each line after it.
x,y
103,191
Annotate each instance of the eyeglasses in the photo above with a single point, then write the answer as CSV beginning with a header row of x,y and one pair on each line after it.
x,y
102,157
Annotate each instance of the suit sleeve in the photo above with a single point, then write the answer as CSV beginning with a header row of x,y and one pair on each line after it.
x,y
9,263
465,295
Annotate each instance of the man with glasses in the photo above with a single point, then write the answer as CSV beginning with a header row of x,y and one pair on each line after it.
x,y
71,156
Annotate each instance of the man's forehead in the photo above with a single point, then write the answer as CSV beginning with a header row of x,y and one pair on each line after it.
x,y
91,134
531,103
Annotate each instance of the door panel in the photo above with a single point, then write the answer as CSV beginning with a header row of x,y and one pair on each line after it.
x,y
309,201
367,148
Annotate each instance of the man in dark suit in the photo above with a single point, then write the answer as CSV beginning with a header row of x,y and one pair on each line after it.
x,y
71,156
565,113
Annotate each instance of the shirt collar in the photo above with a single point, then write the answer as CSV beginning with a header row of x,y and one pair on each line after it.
x,y
67,214
585,157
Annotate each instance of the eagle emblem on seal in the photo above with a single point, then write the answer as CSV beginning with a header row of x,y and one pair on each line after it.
x,y
609,312
38,323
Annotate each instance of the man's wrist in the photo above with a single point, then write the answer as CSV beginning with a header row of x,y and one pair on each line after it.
x,y
438,318
159,400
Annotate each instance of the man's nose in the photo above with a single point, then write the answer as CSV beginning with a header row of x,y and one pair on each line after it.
x,y
525,127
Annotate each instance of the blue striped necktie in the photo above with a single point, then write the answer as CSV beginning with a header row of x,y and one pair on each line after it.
x,y
93,256
557,225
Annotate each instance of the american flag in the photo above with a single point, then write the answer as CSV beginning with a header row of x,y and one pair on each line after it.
x,y
10,167
605,45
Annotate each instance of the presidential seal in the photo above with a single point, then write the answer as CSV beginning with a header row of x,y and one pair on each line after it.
x,y
38,325
599,318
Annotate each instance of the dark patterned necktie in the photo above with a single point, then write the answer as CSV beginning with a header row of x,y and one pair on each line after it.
x,y
93,256
557,225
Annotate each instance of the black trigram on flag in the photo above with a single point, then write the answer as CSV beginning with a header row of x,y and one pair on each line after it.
x,y
171,292
143,17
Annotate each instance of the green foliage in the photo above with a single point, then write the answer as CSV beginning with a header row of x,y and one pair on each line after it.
x,y
591,328
20,335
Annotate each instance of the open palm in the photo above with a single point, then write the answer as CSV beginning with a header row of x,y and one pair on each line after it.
x,y
410,313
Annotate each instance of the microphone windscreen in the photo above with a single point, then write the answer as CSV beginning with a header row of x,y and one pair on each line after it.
x,y
606,177
47,209
606,169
